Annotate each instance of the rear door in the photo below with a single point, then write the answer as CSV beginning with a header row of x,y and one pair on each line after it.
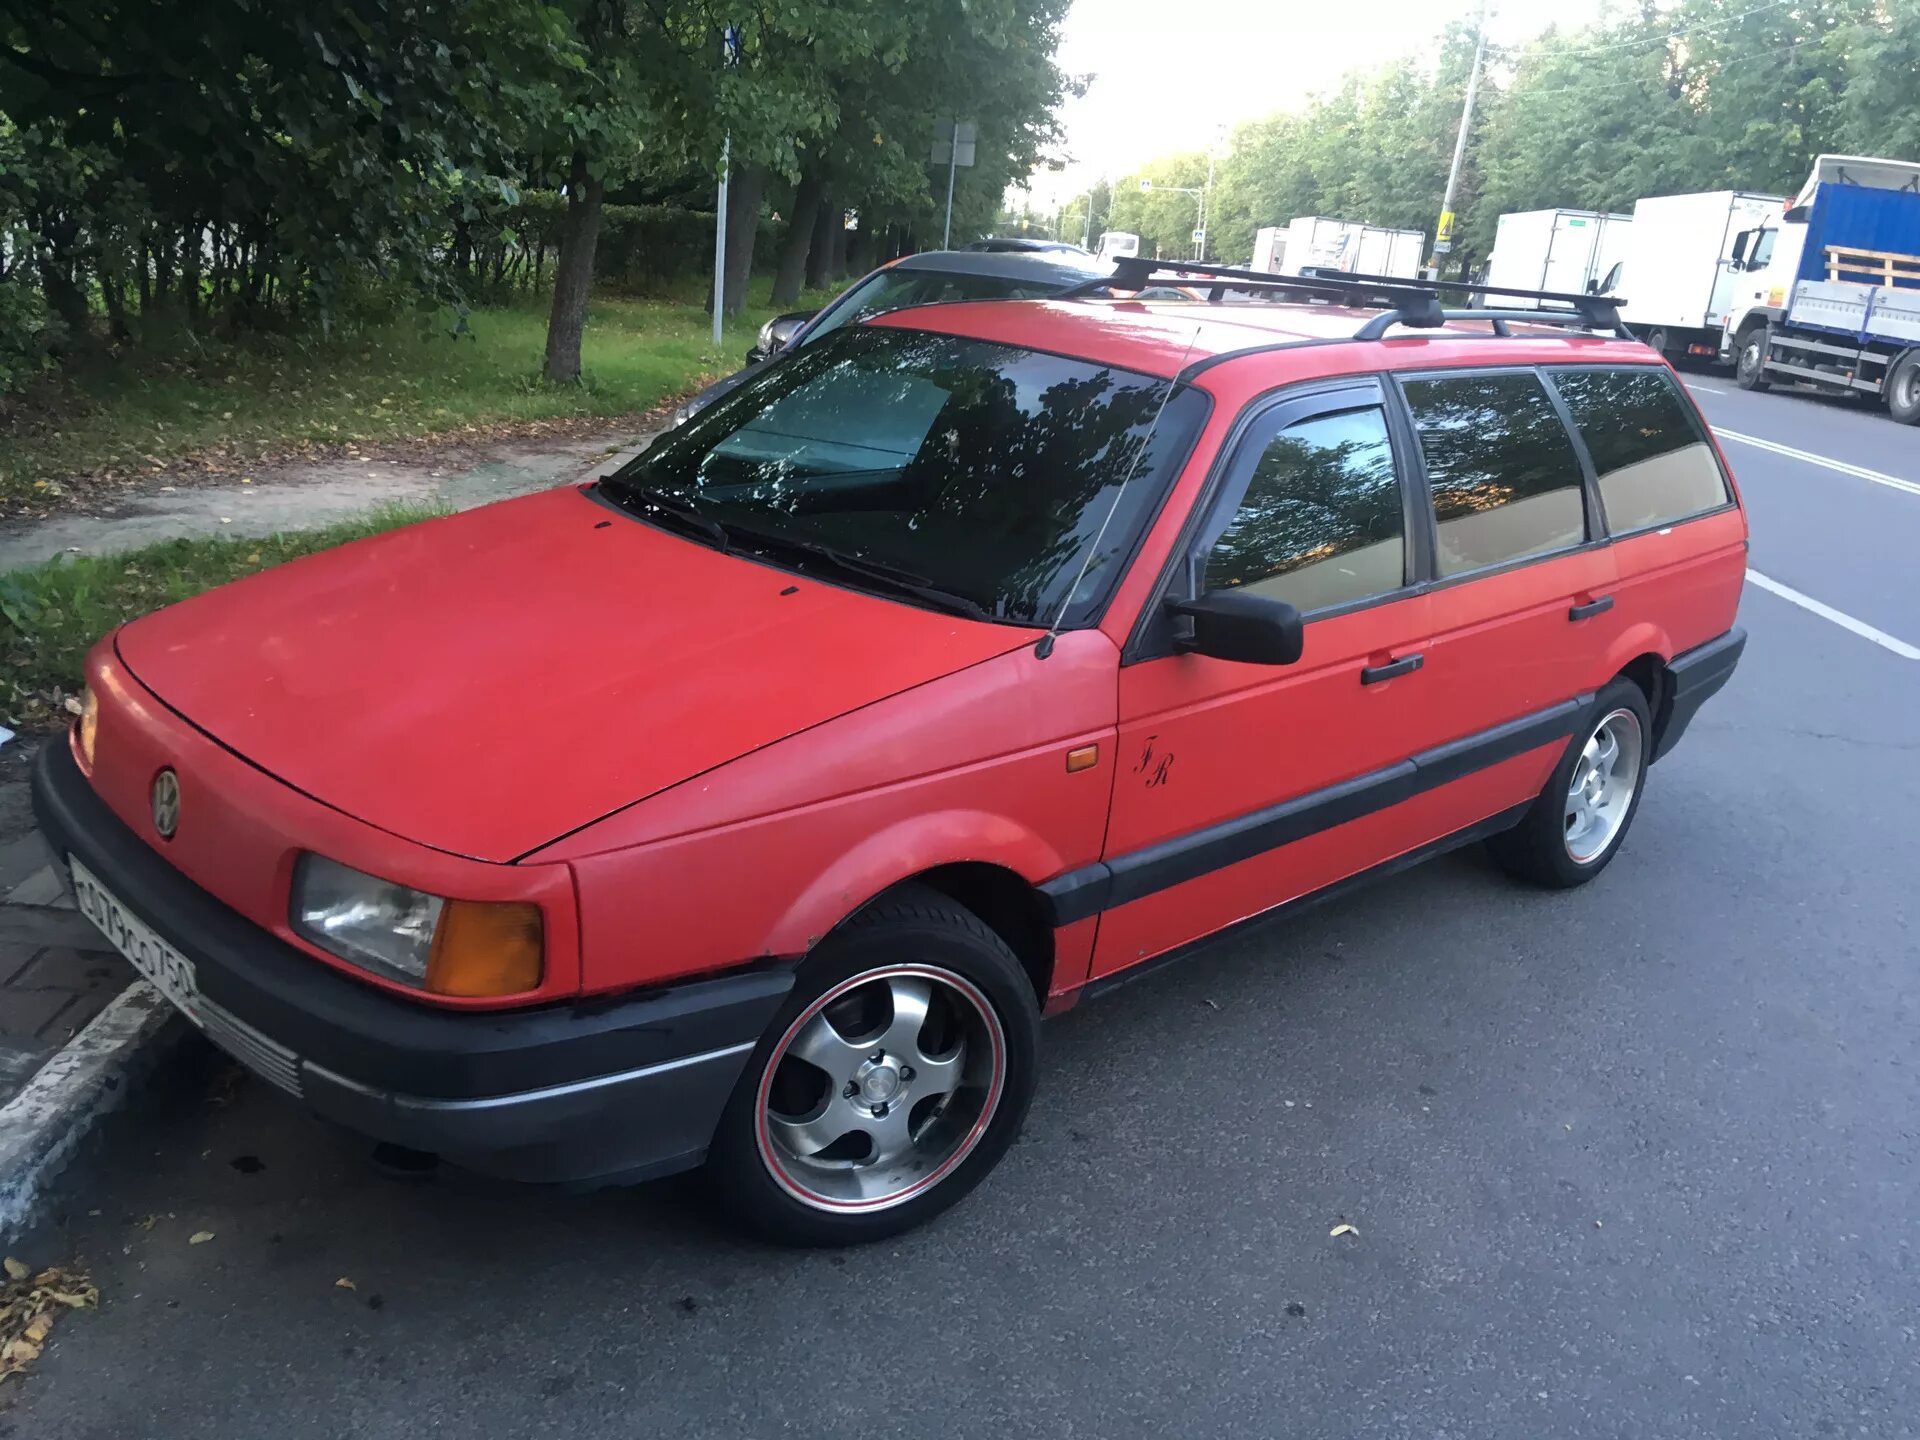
x,y
1679,542
1242,786
1523,605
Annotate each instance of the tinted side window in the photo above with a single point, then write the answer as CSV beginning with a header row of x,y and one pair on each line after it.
x,y
1654,464
1320,524
1504,477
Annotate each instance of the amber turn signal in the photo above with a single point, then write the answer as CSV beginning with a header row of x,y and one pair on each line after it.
x,y
1084,757
485,948
89,728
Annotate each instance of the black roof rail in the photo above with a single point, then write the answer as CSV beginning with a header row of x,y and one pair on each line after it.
x,y
1407,301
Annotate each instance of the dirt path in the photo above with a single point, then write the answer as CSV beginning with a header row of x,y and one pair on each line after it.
x,y
300,493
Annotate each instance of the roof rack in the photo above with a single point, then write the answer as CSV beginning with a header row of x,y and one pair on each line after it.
x,y
1411,302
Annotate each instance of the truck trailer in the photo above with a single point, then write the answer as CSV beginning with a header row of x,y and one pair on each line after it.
x,y
1678,269
1830,292
1315,242
1566,251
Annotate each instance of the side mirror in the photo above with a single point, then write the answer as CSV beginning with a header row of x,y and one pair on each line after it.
x,y
1236,625
1740,249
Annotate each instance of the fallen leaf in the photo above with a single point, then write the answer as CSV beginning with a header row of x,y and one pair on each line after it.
x,y
200,1237
39,1327
1339,1230
343,1283
16,1270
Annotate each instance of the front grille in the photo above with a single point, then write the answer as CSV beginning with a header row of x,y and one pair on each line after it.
x,y
271,1061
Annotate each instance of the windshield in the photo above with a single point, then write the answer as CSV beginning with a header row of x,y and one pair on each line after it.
x,y
896,288
973,471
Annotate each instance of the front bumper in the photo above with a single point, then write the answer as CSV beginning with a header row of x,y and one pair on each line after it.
x,y
626,1087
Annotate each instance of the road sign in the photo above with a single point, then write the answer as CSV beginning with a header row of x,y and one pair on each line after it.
x,y
1444,234
956,143
1199,237
1443,247
1145,186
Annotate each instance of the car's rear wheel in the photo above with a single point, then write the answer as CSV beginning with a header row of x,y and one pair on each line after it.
x,y
1750,365
893,1080
1577,823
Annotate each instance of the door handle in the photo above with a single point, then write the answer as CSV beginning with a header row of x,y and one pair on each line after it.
x,y
1405,665
1591,608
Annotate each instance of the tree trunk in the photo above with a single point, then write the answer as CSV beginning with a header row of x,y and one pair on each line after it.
x,y
743,225
573,272
820,254
861,249
792,269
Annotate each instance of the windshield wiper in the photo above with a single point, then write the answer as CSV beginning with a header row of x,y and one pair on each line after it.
x,y
652,504
890,577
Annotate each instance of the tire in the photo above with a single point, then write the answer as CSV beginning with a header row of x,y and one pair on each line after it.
x,y
860,1146
1749,361
1903,389
1577,823
1657,342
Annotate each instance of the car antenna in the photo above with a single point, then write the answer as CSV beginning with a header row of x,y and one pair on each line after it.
x,y
1045,648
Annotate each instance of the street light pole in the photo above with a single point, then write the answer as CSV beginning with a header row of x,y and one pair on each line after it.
x,y
1443,233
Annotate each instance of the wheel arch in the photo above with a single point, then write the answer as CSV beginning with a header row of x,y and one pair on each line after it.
x,y
981,861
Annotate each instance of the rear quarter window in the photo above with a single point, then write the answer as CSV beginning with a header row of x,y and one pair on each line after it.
x,y
1653,460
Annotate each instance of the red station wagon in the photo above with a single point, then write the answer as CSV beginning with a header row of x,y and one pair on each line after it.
x,y
750,807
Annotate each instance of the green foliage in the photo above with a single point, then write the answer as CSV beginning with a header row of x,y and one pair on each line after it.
x,y
1699,95
223,167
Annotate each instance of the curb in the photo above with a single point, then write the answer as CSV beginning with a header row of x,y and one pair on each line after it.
x,y
41,1128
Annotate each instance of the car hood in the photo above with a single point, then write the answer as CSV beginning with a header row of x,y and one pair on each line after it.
x,y
487,682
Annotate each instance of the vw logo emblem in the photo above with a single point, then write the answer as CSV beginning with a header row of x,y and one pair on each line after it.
x,y
166,803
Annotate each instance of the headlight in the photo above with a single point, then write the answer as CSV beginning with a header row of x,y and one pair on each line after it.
x,y
450,947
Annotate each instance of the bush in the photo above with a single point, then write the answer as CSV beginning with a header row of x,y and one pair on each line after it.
x,y
26,342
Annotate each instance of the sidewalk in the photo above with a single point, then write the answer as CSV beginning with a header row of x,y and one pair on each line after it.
x,y
56,971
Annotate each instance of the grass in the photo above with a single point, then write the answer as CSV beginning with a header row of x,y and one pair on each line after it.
x,y
394,380
51,614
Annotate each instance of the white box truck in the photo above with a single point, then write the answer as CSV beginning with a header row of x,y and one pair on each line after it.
x,y
1829,294
1315,242
1566,251
1678,272
1269,248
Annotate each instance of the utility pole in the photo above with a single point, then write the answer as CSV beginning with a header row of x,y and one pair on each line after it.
x,y
1206,219
1443,233
953,164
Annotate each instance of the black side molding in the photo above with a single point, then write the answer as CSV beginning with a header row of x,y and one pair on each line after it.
x,y
1107,883
1694,678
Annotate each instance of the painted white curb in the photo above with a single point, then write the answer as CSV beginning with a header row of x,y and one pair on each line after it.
x,y
41,1128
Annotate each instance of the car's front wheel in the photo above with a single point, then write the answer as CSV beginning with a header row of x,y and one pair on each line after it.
x,y
893,1080
1576,824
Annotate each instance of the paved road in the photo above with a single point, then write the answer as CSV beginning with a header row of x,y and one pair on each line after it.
x,y
1640,1160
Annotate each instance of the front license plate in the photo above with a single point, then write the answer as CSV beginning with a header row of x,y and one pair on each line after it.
x,y
170,971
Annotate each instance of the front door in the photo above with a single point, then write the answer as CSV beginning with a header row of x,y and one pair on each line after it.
x,y
1242,786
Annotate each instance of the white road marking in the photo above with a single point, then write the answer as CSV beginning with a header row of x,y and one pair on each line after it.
x,y
1705,389
1844,621
1859,472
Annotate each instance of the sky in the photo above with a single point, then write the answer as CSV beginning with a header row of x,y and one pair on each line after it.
x,y
1171,75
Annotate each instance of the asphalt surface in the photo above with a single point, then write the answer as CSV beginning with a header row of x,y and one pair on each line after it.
x,y
1638,1160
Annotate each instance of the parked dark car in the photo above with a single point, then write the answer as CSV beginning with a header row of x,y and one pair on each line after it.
x,y
1028,245
928,278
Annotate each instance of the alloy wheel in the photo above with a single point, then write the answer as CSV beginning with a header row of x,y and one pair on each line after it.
x,y
880,1088
1605,777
